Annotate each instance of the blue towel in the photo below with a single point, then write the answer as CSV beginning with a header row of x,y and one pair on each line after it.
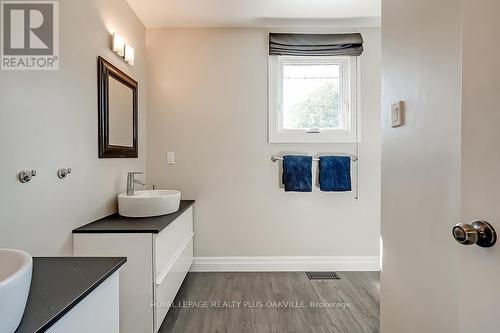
x,y
335,173
297,173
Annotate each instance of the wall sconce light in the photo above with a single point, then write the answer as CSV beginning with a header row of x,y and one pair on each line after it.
x,y
129,54
120,47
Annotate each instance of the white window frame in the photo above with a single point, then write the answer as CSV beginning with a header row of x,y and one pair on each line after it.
x,y
277,134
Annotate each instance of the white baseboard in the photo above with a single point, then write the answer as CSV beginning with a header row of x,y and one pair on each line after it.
x,y
284,264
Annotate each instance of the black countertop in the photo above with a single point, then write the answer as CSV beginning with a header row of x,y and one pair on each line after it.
x,y
60,283
119,224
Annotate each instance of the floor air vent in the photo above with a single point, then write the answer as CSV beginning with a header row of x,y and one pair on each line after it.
x,y
323,276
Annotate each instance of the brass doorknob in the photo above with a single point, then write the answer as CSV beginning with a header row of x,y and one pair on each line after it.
x,y
480,233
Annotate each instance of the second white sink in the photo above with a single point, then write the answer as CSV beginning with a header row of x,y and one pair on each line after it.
x,y
149,203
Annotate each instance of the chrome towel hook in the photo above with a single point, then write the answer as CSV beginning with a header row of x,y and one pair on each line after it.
x,y
63,172
26,175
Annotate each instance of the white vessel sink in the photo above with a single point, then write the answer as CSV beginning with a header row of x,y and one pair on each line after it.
x,y
149,203
15,280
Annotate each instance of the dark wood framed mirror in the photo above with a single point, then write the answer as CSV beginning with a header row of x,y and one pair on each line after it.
x,y
118,119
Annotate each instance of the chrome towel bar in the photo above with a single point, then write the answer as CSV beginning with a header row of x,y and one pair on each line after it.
x,y
354,158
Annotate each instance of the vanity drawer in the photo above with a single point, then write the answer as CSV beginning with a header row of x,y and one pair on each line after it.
x,y
170,243
167,288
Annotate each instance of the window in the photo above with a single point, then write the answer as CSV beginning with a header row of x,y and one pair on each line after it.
x,y
312,99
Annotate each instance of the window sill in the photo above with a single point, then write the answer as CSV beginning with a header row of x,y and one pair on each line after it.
x,y
311,138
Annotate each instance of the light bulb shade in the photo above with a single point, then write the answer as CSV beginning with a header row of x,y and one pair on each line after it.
x,y
129,54
118,45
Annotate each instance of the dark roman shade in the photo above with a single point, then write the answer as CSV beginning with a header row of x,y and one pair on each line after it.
x,y
315,44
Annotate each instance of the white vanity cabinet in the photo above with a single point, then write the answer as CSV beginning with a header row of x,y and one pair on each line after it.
x,y
97,313
159,253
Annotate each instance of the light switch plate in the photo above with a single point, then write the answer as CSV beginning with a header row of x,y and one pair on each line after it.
x,y
170,158
397,114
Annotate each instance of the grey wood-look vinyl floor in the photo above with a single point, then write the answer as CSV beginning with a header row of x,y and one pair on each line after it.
x,y
275,302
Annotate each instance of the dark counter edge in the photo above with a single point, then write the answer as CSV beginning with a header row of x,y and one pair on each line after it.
x,y
82,296
185,204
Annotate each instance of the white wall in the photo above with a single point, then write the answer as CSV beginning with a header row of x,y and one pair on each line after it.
x,y
208,104
480,163
420,166
48,120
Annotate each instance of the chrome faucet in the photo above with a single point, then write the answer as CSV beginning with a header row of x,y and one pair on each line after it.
x,y
131,181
